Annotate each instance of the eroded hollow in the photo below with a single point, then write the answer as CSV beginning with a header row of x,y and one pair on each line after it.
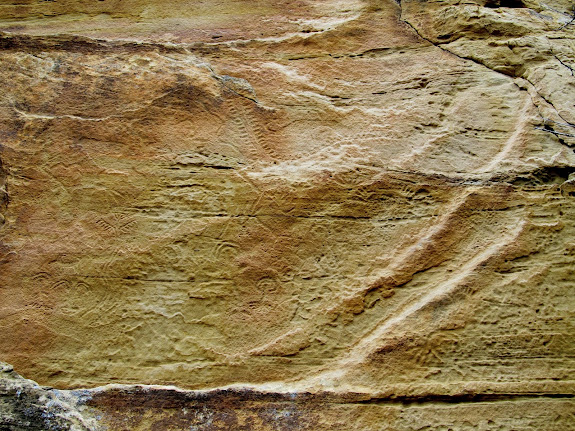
x,y
504,3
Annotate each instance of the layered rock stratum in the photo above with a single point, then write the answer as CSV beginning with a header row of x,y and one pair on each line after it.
x,y
280,215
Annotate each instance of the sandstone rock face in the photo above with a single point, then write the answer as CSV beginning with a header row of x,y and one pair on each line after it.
x,y
300,214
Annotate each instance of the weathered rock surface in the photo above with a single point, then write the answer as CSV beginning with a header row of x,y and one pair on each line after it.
x,y
306,215
26,406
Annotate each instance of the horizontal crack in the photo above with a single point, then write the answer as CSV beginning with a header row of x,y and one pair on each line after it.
x,y
464,398
149,396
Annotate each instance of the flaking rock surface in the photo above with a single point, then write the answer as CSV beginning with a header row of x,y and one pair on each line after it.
x,y
288,214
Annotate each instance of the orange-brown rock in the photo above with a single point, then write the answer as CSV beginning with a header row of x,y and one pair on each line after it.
x,y
299,214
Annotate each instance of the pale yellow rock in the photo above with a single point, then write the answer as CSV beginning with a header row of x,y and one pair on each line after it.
x,y
332,197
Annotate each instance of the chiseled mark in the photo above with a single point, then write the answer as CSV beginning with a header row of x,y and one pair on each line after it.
x,y
252,135
297,340
516,140
293,341
288,343
368,344
116,223
31,116
404,258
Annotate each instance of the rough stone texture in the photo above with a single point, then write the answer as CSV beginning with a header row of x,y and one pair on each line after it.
x,y
344,215
26,406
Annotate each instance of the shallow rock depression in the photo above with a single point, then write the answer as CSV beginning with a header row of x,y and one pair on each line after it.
x,y
287,215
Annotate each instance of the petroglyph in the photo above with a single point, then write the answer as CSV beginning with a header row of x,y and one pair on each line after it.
x,y
357,207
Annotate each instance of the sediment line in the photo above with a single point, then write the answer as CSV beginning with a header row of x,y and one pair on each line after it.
x,y
168,398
